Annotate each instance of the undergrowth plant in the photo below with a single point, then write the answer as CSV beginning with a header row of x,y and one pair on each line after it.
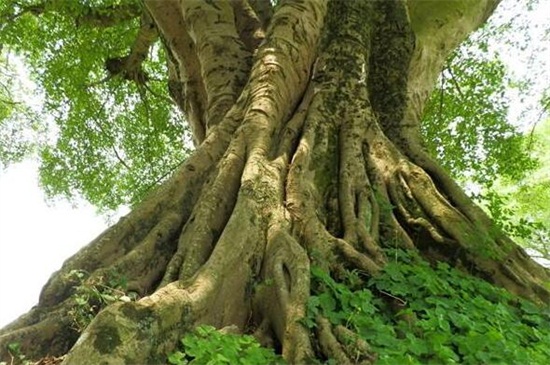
x,y
17,356
90,296
206,345
412,313
416,313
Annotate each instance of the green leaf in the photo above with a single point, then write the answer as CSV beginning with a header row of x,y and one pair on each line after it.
x,y
221,359
177,358
14,348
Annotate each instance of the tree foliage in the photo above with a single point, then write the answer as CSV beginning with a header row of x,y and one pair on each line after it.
x,y
116,136
523,205
477,143
20,130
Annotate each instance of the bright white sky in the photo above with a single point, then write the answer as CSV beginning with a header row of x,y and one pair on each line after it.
x,y
36,238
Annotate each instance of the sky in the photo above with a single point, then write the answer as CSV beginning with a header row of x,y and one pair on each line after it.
x,y
35,238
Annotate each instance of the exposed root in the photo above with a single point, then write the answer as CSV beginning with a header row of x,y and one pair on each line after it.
x,y
302,199
402,198
391,232
198,237
144,331
456,196
352,178
140,332
176,196
354,257
523,276
139,245
355,346
52,335
50,360
330,346
342,344
485,250
368,221
145,265
283,296
292,130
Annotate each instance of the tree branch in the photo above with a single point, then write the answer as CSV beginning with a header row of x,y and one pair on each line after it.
x,y
185,80
147,35
248,24
129,67
455,83
223,57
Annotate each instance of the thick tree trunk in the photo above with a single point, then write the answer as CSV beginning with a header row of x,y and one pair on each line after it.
x,y
306,119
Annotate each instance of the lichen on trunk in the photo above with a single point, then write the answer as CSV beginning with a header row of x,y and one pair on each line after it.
x,y
306,119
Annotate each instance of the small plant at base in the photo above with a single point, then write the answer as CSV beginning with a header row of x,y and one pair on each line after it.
x,y
17,357
208,346
92,296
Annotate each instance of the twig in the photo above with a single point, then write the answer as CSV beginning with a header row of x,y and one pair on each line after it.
x,y
455,83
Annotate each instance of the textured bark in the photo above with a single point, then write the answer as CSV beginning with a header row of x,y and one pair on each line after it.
x,y
306,118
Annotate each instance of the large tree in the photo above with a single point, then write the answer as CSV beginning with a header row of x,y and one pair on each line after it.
x,y
306,118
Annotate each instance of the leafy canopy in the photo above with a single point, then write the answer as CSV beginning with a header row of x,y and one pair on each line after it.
x,y
111,138
114,138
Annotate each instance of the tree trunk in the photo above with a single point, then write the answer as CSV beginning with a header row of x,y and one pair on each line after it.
x,y
306,118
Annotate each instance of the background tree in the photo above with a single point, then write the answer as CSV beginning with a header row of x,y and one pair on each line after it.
x,y
496,153
522,206
309,162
